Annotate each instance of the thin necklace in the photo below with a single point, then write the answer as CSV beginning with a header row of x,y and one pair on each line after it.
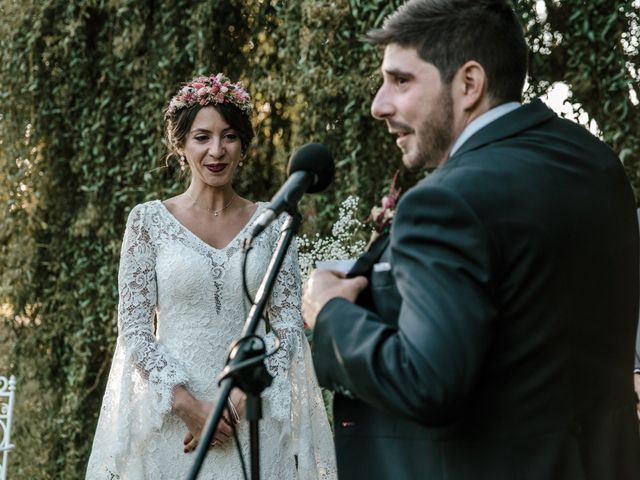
x,y
211,210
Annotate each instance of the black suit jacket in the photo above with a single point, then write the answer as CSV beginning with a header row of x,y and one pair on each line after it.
x,y
498,344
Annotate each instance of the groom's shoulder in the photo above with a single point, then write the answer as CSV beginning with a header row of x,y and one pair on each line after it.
x,y
461,177
469,184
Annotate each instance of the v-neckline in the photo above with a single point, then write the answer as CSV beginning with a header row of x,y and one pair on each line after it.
x,y
200,240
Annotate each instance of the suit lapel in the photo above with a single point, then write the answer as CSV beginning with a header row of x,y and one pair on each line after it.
x,y
365,262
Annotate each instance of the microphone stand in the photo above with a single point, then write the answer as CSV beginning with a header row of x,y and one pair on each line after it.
x,y
245,366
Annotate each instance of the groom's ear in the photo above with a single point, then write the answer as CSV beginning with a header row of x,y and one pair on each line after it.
x,y
469,86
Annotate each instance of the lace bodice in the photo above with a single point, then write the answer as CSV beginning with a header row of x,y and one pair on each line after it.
x,y
181,305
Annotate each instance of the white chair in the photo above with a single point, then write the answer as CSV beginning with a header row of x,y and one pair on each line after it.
x,y
7,397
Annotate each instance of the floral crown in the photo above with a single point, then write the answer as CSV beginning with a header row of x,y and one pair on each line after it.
x,y
212,90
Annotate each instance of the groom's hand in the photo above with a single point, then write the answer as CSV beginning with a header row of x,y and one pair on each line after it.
x,y
322,286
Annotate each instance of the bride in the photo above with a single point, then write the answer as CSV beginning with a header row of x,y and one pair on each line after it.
x,y
180,307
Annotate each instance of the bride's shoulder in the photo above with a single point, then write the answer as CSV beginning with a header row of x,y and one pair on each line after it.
x,y
149,206
250,209
252,205
144,210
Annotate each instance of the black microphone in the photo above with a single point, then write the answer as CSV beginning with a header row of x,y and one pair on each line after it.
x,y
310,170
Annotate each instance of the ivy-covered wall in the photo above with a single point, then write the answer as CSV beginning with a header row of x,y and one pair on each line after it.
x,y
82,88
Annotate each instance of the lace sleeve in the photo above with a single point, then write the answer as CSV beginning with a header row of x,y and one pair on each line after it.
x,y
136,309
294,396
286,322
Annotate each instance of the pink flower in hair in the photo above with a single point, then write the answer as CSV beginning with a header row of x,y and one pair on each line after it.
x,y
211,90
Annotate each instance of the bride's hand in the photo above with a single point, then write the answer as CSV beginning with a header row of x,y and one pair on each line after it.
x,y
194,414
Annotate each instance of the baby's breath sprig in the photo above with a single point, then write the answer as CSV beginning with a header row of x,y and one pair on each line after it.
x,y
342,244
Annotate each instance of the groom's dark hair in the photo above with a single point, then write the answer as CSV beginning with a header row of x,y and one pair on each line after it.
x,y
448,33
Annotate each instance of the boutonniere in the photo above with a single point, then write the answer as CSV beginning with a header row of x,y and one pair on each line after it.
x,y
381,216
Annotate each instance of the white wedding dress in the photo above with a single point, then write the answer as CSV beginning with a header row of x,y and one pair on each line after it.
x,y
181,305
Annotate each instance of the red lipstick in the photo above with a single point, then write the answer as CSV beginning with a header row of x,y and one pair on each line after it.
x,y
216,167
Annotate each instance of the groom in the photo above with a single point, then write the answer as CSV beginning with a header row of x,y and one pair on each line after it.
x,y
490,336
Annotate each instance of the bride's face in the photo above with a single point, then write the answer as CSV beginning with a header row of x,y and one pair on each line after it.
x,y
212,148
